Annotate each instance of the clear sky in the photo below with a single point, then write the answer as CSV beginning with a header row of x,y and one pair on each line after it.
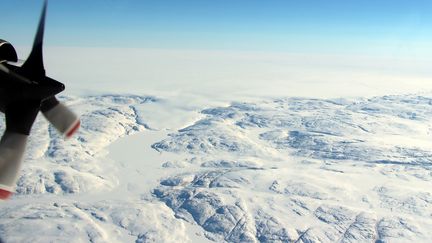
x,y
337,26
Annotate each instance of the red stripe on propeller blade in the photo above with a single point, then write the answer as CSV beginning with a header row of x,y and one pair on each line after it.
x,y
74,129
4,194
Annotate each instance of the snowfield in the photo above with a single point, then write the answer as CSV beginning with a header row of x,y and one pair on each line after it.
x,y
149,169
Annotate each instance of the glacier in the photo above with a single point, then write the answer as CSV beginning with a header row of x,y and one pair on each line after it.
x,y
267,170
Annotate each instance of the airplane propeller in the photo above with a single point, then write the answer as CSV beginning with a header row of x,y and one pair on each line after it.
x,y
24,91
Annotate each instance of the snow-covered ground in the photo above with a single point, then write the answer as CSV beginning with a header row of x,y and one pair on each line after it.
x,y
202,159
147,169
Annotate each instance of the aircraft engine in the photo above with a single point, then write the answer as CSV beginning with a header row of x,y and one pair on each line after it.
x,y
7,52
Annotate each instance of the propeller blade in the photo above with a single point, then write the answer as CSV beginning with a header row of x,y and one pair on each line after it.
x,y
33,66
60,116
12,147
14,76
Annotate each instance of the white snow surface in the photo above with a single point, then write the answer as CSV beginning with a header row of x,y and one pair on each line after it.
x,y
157,169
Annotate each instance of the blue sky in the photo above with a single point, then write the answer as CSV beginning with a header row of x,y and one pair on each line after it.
x,y
340,27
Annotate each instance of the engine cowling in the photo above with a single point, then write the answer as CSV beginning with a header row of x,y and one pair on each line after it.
x,y
7,52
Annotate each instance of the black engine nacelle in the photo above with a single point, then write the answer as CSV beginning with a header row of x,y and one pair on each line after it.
x,y
7,52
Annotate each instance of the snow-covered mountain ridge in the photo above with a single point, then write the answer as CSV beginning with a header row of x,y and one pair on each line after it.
x,y
278,170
